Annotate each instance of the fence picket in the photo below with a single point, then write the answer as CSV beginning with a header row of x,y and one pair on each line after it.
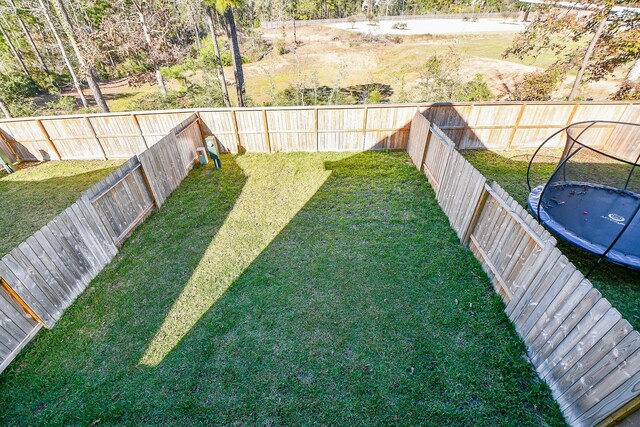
x,y
48,271
577,342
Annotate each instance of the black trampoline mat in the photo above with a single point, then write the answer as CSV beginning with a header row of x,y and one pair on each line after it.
x,y
591,216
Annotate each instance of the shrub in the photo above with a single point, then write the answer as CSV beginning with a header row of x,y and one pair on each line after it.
x,y
23,108
131,66
61,105
375,97
16,86
207,56
539,85
194,96
281,47
628,92
399,26
476,89
441,81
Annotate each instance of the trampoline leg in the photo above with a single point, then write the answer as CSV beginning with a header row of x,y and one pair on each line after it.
x,y
593,267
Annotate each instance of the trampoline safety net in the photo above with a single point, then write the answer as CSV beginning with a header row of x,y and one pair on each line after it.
x,y
592,198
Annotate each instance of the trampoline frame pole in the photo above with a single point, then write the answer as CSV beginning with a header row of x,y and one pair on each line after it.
x,y
554,174
569,148
535,153
626,184
633,216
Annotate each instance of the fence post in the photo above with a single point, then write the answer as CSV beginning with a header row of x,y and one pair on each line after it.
x,y
12,152
515,127
315,126
573,114
426,148
147,184
265,121
95,137
200,127
235,129
137,123
20,301
46,135
364,129
482,201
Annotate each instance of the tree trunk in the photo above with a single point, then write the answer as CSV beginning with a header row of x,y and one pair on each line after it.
x,y
196,27
27,36
587,57
63,52
15,52
5,109
295,33
634,72
197,35
147,38
236,57
88,69
220,69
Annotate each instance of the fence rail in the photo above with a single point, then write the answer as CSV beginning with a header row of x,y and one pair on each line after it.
x,y
44,275
505,125
578,343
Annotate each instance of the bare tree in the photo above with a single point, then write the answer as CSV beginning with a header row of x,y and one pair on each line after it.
x,y
587,56
87,68
226,8
27,36
220,70
63,52
138,5
196,24
15,52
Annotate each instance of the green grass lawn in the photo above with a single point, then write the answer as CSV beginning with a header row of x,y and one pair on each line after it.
x,y
619,285
33,196
291,289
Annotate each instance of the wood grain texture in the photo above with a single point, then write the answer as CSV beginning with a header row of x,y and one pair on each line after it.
x,y
501,125
44,275
578,343
417,141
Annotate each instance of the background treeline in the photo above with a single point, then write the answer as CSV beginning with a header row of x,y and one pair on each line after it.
x,y
49,45
192,52
270,10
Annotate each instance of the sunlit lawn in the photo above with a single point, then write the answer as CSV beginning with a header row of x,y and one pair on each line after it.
x,y
291,289
32,196
621,286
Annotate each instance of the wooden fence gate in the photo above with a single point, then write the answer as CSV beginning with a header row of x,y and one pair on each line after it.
x,y
43,275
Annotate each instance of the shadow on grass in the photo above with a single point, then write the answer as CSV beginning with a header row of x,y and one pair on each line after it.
x,y
619,285
358,307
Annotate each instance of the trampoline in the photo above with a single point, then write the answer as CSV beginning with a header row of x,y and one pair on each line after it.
x,y
592,198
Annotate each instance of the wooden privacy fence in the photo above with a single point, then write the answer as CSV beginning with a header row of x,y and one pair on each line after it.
x,y
578,343
523,125
498,125
44,275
